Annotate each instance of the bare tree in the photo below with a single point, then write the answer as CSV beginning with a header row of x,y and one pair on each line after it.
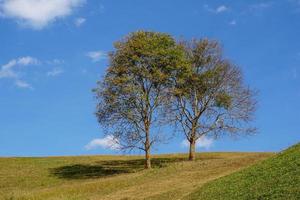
x,y
133,97
212,98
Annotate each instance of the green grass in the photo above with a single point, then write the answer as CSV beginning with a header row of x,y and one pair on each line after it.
x,y
274,178
115,177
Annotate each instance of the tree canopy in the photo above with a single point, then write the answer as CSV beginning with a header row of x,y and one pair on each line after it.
x,y
134,98
212,98
153,81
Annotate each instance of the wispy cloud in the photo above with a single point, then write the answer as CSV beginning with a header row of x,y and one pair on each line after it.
x,y
79,21
108,142
96,55
55,72
55,62
202,142
15,68
259,8
23,84
97,9
221,9
37,13
27,61
217,10
232,22
8,70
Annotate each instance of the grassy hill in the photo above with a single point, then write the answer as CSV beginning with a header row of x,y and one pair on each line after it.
x,y
115,177
274,178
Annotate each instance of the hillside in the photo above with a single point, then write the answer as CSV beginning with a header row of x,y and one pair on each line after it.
x,y
115,177
274,178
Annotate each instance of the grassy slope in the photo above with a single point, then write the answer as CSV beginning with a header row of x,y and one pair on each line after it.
x,y
115,177
274,178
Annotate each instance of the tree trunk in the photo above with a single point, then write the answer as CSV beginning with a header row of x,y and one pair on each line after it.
x,y
192,155
148,160
147,150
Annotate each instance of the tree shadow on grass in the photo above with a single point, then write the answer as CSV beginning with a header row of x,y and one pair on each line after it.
x,y
103,169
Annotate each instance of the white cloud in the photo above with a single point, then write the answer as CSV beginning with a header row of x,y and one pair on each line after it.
x,y
232,23
27,61
202,142
217,10
23,84
79,21
22,61
108,142
7,70
221,8
55,72
37,13
96,55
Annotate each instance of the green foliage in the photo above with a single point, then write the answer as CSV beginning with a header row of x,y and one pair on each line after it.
x,y
223,100
141,67
275,178
134,97
145,55
211,97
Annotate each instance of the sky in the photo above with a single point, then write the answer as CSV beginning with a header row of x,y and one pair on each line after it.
x,y
53,52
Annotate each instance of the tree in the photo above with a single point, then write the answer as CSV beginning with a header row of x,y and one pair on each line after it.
x,y
133,97
212,98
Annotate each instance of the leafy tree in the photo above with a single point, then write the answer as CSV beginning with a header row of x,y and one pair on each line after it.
x,y
133,99
212,98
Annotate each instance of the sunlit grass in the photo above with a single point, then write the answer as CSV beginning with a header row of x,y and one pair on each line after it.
x,y
115,177
275,178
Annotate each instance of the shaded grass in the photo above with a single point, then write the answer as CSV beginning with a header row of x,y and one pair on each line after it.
x,y
115,177
108,168
275,178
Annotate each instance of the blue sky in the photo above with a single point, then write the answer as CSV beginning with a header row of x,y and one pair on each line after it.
x,y
53,52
